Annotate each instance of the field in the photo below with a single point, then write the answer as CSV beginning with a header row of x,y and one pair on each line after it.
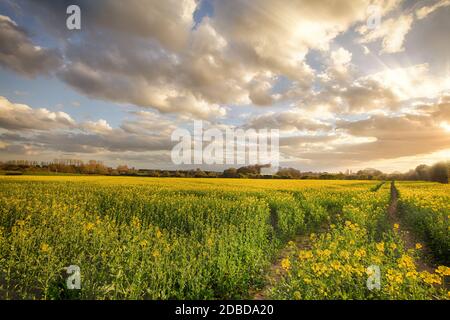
x,y
168,238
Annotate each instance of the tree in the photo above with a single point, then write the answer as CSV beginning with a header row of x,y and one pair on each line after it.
x,y
439,172
230,173
289,173
200,174
122,169
423,172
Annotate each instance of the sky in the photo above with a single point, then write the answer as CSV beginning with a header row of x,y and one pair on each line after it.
x,y
348,84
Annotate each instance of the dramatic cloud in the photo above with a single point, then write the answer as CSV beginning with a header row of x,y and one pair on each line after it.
x,y
147,53
18,53
342,91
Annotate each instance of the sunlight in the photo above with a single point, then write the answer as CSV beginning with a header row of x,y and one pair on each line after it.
x,y
445,125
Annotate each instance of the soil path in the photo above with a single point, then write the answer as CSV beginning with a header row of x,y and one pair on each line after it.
x,y
275,271
407,235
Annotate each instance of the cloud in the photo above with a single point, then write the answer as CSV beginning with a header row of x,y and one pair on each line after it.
x,y
392,32
277,35
424,11
18,53
335,101
22,117
291,120
101,126
384,91
150,55
40,129
406,135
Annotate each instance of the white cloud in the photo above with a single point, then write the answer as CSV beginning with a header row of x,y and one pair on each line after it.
x,y
423,12
14,116
392,32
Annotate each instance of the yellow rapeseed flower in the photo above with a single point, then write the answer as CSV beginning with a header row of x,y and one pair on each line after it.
x,y
443,271
305,254
430,278
418,246
155,253
380,246
286,264
143,243
45,248
89,226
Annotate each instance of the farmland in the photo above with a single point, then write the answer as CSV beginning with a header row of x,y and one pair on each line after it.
x,y
169,238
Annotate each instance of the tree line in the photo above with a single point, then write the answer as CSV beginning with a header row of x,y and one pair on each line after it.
x,y
438,172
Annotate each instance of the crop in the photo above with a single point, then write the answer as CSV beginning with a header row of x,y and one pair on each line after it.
x,y
153,238
339,261
425,207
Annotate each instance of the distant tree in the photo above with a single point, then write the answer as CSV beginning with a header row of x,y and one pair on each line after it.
x,y
289,173
165,174
122,169
439,172
423,172
200,174
230,173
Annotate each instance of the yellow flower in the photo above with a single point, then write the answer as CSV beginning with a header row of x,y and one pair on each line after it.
x,y
430,278
411,274
155,253
394,277
89,226
393,246
305,254
324,253
443,271
143,243
406,262
286,264
20,223
376,260
396,226
336,265
359,253
297,295
380,246
418,246
45,248
158,234
344,254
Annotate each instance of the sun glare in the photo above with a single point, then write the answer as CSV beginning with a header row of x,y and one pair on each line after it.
x,y
445,126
